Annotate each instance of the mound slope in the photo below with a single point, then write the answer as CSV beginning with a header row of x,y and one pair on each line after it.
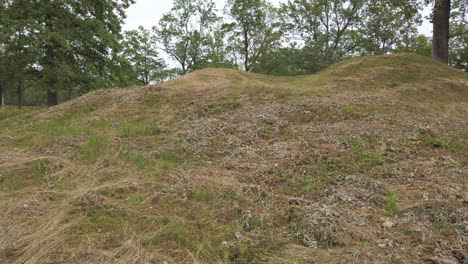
x,y
362,163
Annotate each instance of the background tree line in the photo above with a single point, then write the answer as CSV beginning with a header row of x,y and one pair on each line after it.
x,y
54,50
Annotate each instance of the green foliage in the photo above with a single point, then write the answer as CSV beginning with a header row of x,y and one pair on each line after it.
x,y
73,54
385,24
254,30
328,29
140,49
185,32
335,30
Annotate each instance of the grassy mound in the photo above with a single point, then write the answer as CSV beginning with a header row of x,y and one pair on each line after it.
x,y
364,162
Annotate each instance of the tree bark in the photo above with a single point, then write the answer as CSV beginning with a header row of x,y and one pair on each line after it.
x,y
2,98
52,98
441,23
20,94
246,50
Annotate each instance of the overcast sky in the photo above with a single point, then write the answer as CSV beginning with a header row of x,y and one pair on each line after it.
x,y
148,12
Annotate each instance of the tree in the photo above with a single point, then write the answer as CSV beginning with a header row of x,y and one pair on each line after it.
x,y
441,25
458,42
254,30
327,29
78,38
19,53
384,25
184,32
140,49
419,44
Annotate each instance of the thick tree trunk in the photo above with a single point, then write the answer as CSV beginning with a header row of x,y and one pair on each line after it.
x,y
52,98
441,23
20,94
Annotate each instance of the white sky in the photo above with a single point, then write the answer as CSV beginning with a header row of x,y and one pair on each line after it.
x,y
148,12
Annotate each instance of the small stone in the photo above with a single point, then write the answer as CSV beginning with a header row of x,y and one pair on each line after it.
x,y
389,224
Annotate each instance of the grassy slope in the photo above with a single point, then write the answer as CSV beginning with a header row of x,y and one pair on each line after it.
x,y
364,162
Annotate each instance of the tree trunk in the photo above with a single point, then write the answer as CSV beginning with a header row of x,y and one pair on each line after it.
x,y
2,98
52,99
20,94
441,22
246,51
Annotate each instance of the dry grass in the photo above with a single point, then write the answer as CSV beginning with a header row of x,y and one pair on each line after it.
x,y
363,163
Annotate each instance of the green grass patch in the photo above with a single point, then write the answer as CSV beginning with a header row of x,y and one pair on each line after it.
x,y
223,106
430,138
286,94
362,155
139,128
60,127
94,148
140,160
32,175
391,203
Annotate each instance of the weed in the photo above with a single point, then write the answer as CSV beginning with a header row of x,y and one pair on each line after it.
x,y
362,155
94,148
391,203
439,224
170,158
429,138
414,234
417,195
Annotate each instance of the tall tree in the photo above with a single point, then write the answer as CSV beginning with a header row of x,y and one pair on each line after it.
x,y
326,28
19,53
79,38
185,31
140,49
458,42
254,29
441,26
384,25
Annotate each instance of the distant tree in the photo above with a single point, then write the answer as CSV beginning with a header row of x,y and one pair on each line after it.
x,y
419,44
79,39
384,25
327,29
458,48
184,32
140,49
219,53
18,50
458,42
254,30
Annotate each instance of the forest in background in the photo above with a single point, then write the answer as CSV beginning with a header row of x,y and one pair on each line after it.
x,y
55,50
